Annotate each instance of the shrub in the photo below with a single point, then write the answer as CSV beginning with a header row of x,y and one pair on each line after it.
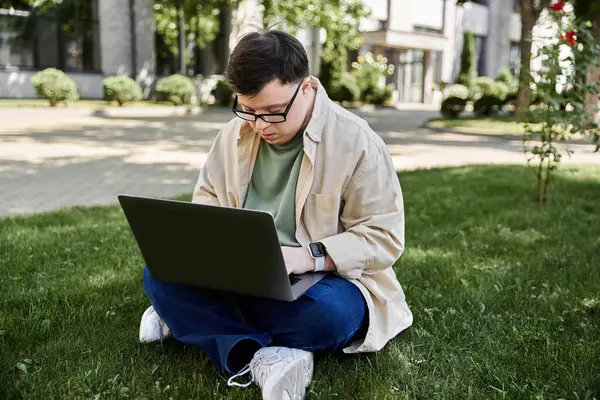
x,y
501,90
467,61
223,94
485,86
482,86
55,86
506,77
487,105
379,96
457,90
511,99
452,107
346,90
369,71
178,89
121,89
332,72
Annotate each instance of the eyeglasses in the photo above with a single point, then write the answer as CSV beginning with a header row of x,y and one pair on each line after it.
x,y
275,118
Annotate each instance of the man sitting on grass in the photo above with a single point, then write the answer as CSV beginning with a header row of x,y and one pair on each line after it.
x,y
328,179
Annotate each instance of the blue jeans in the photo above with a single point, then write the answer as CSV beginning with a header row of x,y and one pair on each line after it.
x,y
229,328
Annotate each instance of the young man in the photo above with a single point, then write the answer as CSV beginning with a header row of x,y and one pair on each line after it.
x,y
328,179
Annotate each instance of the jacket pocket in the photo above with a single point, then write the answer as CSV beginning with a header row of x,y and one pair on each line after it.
x,y
322,215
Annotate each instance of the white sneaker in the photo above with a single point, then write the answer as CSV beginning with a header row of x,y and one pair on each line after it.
x,y
281,372
152,327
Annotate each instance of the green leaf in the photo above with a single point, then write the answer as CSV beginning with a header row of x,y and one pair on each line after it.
x,y
22,367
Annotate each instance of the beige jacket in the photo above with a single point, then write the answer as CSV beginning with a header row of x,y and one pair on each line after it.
x,y
347,197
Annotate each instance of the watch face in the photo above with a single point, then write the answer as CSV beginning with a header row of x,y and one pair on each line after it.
x,y
317,249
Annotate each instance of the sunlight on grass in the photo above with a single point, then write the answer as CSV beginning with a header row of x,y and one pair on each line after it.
x,y
503,125
104,278
504,294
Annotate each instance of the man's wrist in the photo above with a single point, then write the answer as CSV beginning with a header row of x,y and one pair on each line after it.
x,y
318,252
319,264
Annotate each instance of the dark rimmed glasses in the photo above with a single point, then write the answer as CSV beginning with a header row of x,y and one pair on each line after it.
x,y
275,118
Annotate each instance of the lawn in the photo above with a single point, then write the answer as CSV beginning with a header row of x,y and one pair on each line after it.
x,y
505,293
41,103
499,125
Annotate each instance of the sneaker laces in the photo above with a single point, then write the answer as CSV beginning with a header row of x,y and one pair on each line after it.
x,y
260,365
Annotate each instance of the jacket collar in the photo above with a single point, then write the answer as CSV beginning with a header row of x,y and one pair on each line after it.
x,y
314,128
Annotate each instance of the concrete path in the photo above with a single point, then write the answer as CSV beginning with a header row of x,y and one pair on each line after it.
x,y
54,160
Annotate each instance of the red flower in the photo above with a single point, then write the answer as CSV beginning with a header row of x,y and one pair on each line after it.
x,y
558,6
569,37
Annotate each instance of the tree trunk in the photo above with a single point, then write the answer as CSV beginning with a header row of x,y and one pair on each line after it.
x,y
591,100
540,181
181,21
547,183
528,20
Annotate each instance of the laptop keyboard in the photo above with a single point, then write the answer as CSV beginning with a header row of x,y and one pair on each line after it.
x,y
294,280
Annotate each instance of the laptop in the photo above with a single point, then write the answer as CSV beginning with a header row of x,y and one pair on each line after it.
x,y
214,247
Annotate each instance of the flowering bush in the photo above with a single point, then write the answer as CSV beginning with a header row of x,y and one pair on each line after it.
x,y
370,73
566,58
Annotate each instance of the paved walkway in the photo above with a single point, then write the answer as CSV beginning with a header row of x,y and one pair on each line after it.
x,y
52,160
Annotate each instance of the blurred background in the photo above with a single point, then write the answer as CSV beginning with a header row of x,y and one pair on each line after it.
x,y
419,43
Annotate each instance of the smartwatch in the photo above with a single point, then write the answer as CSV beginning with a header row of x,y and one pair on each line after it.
x,y
318,252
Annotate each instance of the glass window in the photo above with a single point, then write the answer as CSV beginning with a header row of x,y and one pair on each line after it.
x,y
47,48
14,5
436,62
16,40
62,35
480,42
517,6
416,82
80,45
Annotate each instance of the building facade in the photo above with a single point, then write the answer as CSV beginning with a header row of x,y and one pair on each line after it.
x,y
88,39
425,42
92,39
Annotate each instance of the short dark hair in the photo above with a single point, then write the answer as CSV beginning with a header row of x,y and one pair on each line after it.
x,y
260,57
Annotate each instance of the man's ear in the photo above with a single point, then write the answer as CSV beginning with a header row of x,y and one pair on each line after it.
x,y
306,85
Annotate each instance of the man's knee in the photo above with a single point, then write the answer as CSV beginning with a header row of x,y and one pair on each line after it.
x,y
337,310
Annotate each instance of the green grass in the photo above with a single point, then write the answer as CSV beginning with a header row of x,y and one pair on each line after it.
x,y
501,125
41,103
505,293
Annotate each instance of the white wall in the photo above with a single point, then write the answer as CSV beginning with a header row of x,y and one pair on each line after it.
x,y
428,14
404,15
476,18
498,39
454,17
17,84
515,27
378,8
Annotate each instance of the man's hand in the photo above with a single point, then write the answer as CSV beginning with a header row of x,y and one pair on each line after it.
x,y
297,260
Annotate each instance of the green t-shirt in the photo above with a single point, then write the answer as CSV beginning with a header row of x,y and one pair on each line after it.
x,y
273,185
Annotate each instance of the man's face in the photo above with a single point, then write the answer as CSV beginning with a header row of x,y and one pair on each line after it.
x,y
274,98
